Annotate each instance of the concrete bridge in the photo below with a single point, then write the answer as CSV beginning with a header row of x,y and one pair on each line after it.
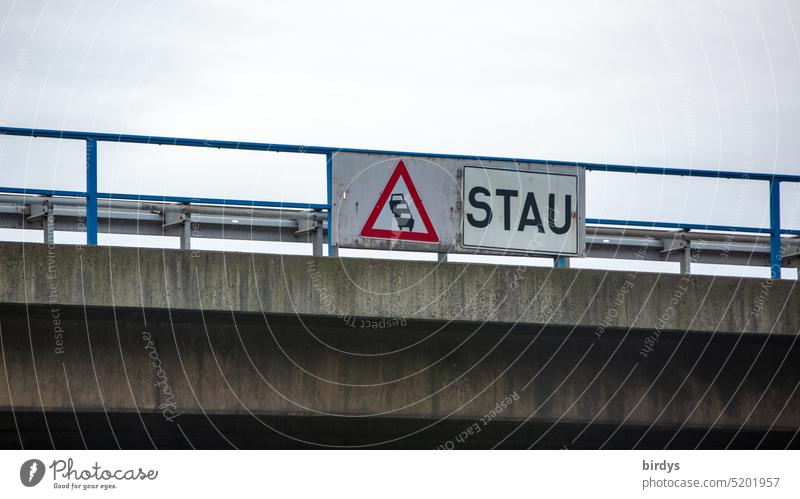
x,y
107,347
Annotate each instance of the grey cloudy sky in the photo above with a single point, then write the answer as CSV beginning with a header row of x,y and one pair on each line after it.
x,y
698,84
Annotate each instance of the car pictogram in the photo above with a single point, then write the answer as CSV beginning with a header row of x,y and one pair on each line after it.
x,y
401,211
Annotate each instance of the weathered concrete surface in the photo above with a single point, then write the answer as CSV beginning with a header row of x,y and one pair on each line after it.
x,y
217,363
262,335
280,284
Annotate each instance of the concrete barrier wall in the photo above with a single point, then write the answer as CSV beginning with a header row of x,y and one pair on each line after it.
x,y
280,284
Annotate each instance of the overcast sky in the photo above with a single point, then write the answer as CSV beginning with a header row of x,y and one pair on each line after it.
x,y
698,84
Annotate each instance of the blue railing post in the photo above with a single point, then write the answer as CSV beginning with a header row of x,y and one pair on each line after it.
x,y
329,180
91,192
775,255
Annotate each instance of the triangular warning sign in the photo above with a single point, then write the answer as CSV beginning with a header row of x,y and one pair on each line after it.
x,y
399,213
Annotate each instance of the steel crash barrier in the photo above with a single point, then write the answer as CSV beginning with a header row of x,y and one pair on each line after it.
x,y
316,223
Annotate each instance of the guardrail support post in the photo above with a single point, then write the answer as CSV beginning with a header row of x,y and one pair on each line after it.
x,y
775,257
317,242
686,260
186,234
50,225
91,192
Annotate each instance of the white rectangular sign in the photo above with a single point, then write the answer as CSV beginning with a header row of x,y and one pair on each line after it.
x,y
515,210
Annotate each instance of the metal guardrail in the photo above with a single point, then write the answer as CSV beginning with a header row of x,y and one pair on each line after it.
x,y
49,214
93,198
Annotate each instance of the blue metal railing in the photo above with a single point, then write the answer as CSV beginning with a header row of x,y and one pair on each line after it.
x,y
92,195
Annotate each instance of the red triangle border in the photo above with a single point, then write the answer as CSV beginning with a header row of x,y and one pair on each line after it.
x,y
369,229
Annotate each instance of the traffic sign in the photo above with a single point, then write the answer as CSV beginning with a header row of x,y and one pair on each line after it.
x,y
399,213
517,210
456,205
